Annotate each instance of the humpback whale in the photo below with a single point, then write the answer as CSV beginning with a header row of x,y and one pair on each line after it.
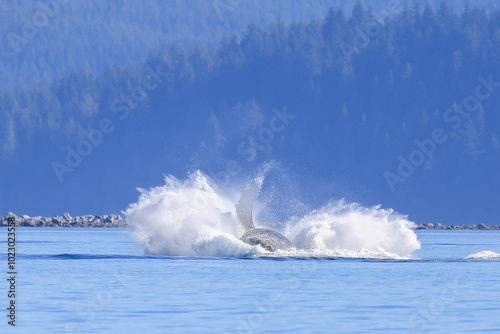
x,y
266,238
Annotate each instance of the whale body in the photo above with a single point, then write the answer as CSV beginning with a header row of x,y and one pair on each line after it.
x,y
266,238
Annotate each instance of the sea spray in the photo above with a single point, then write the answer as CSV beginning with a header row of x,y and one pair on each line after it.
x,y
187,218
351,230
195,217
484,255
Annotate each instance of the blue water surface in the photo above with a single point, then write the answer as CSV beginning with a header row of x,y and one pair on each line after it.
x,y
98,281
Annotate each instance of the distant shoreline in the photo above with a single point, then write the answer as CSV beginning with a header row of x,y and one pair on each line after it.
x,y
67,221
114,221
478,227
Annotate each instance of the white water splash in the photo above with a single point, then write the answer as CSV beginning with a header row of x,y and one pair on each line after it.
x,y
187,218
350,230
194,217
484,255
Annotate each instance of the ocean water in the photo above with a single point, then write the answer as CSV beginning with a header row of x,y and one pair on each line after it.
x,y
181,268
100,281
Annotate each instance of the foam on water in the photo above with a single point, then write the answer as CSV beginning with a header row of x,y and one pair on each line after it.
x,y
351,230
187,218
484,255
195,217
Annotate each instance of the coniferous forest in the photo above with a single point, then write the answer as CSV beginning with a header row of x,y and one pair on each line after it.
x,y
362,90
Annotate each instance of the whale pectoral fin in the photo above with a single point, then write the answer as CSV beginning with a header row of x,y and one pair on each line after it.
x,y
245,205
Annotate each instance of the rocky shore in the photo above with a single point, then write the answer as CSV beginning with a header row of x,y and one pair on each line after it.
x,y
67,221
478,227
118,221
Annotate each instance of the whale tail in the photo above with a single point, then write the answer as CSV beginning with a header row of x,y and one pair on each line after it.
x,y
245,205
